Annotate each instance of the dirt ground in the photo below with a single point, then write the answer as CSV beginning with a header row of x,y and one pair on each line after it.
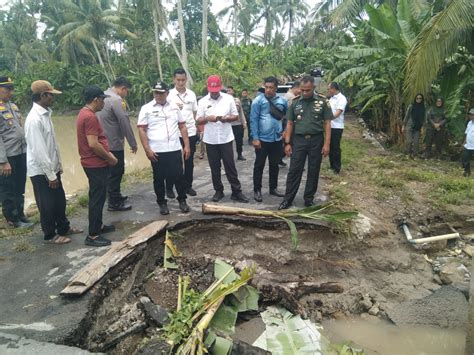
x,y
374,264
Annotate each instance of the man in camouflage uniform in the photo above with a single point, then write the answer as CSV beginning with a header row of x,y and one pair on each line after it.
x,y
308,135
246,103
12,158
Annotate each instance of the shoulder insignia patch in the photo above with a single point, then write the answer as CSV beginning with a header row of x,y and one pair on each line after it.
x,y
124,105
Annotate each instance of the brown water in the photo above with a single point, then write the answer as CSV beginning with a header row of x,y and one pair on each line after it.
x,y
74,178
380,337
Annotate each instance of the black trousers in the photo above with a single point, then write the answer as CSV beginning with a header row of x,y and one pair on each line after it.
x,y
466,159
51,205
115,178
97,194
335,149
168,167
12,189
224,152
436,137
239,138
273,151
188,165
304,146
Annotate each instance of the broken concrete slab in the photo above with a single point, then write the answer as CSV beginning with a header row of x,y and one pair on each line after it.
x,y
446,307
453,272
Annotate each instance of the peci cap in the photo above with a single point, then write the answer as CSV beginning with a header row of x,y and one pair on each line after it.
x,y
41,86
91,92
214,83
471,111
160,87
6,82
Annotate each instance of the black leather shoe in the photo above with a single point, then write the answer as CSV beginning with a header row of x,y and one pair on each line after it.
x,y
183,206
240,197
191,192
107,228
257,196
277,193
219,195
240,157
21,224
164,209
119,207
309,203
284,205
122,198
98,241
170,194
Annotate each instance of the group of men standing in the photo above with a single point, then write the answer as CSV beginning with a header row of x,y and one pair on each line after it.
x,y
168,132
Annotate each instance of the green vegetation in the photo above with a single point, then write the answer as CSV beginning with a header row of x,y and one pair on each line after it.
x,y
382,52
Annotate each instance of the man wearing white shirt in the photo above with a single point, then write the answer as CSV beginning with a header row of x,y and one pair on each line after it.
x,y
159,122
186,100
216,110
44,167
338,105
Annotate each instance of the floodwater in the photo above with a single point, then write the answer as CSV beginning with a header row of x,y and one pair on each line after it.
x,y
381,337
74,178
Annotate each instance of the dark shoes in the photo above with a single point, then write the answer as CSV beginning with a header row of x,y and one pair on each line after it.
x,y
257,196
277,193
240,157
284,205
119,207
170,194
190,192
219,195
107,228
309,203
24,219
21,224
239,196
98,241
164,209
282,163
183,206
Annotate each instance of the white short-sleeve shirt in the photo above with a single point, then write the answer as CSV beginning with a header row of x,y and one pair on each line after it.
x,y
188,101
162,126
469,136
338,102
217,132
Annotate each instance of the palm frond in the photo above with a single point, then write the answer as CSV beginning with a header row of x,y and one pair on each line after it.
x,y
438,39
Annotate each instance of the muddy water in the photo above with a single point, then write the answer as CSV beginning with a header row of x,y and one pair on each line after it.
x,y
379,337
74,178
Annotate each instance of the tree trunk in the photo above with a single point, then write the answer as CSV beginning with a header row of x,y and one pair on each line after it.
x,y
101,62
204,29
290,28
164,25
157,42
236,3
182,36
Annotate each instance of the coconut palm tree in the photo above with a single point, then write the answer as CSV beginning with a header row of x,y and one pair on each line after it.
x,y
233,12
292,11
84,29
268,13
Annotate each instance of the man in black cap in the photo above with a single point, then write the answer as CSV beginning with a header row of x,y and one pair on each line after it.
x,y
96,160
159,124
12,158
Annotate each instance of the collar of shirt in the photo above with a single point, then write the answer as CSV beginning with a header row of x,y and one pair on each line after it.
x,y
41,111
156,104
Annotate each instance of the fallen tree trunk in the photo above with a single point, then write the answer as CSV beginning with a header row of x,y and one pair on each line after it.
x,y
94,271
226,210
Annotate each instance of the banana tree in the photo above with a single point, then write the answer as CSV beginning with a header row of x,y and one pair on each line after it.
x,y
379,61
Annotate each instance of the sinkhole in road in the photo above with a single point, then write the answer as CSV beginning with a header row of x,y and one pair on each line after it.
x,y
330,276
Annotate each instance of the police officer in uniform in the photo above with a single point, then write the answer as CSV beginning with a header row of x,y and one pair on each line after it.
x,y
12,158
308,135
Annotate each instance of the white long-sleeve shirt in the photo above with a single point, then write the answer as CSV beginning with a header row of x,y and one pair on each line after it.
x,y
42,152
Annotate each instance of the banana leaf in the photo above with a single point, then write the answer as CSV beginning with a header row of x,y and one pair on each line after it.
x,y
221,268
289,334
